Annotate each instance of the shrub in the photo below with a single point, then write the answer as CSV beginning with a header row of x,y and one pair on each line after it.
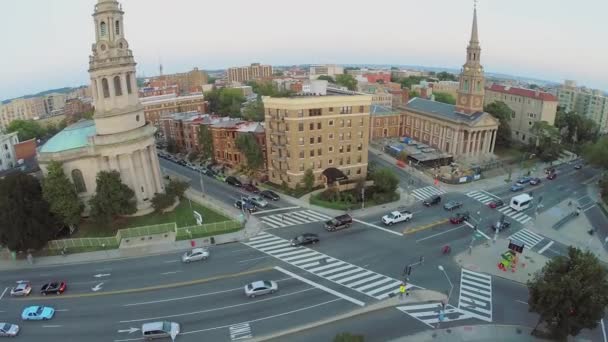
x,y
176,188
162,201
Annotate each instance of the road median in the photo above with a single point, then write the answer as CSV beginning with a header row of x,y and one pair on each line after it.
x,y
426,226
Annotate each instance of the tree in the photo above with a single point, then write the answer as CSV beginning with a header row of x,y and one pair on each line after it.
x,y
26,221
192,156
254,111
327,78
347,81
248,145
205,141
348,337
547,144
162,201
225,101
402,156
502,112
112,197
26,129
446,76
597,153
444,97
176,188
268,88
569,293
61,195
575,129
308,180
533,86
413,94
408,82
385,180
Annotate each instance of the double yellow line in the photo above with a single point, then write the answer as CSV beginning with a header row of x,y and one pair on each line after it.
x,y
427,226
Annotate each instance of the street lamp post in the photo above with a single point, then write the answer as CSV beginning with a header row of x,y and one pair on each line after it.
x,y
200,173
449,281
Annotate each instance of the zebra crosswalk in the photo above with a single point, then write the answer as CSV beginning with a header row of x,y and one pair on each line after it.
x,y
528,237
364,281
427,192
428,313
486,198
475,294
293,218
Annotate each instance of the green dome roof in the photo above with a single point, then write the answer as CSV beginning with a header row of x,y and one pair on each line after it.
x,y
74,136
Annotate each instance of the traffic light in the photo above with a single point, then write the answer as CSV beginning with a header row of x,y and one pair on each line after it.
x,y
408,270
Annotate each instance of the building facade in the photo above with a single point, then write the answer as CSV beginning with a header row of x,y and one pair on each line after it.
x,y
54,102
591,103
528,106
157,106
225,134
21,109
185,82
325,70
8,158
448,87
118,137
318,133
74,108
247,73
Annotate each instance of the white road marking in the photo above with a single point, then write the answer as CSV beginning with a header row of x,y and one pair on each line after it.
x,y
378,227
62,310
521,301
240,331
218,308
272,210
172,272
3,292
170,261
478,231
585,210
252,321
447,231
248,260
52,326
546,247
320,287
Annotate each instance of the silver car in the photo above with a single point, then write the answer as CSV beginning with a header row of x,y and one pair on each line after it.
x,y
195,255
8,329
160,330
23,288
261,287
258,201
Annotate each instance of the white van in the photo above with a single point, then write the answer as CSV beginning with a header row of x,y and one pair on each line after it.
x,y
521,202
162,329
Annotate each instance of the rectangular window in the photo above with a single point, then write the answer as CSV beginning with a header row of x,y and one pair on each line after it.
x,y
361,109
330,122
331,109
319,164
341,123
347,160
330,162
330,136
358,158
301,127
360,122
341,149
360,134
347,148
331,149
287,127
312,140
301,154
358,171
359,147
319,151
319,139
341,161
348,136
312,153
314,112
311,126
318,125
348,123
341,136
301,113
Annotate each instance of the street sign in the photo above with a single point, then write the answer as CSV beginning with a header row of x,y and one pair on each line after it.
x,y
516,246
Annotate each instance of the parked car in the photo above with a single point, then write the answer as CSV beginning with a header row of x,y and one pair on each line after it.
x,y
496,203
535,181
460,218
305,239
37,313
578,166
339,222
258,201
451,205
8,329
517,187
271,195
432,201
22,289
251,188
524,180
500,225
54,287
261,287
233,181
250,207
196,254
552,176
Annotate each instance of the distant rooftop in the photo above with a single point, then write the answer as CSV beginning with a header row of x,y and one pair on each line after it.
x,y
443,110
74,136
382,110
531,93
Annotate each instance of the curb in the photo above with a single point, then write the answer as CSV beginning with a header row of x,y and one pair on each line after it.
x,y
426,226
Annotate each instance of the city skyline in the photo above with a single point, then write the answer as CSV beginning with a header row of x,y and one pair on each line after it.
x,y
512,42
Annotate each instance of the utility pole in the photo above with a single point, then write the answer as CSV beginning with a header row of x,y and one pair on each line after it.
x,y
363,197
200,173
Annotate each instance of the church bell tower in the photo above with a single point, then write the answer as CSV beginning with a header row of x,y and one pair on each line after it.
x,y
471,89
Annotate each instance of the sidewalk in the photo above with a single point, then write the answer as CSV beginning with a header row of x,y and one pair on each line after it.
x,y
252,227
416,296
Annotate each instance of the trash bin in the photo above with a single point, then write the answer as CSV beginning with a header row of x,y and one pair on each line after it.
x,y
212,240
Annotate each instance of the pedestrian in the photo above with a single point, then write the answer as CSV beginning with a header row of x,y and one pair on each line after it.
x,y
402,290
30,258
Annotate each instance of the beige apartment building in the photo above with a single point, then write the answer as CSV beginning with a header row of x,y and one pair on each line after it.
x,y
325,70
591,103
528,106
328,134
247,73
54,102
155,107
187,82
21,109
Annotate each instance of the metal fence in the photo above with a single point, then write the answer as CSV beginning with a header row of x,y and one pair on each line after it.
x,y
206,229
146,230
104,242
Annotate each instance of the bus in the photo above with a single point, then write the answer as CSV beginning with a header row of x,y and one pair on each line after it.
x,y
521,202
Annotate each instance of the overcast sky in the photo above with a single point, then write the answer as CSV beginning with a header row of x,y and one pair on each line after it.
x,y
46,43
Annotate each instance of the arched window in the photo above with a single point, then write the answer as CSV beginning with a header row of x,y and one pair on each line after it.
x,y
102,28
78,181
117,26
117,88
129,83
466,85
478,85
105,87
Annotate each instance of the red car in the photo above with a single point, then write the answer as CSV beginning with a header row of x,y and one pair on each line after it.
x,y
496,203
459,218
251,188
54,287
552,176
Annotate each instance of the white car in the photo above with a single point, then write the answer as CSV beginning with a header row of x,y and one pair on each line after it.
x,y
195,255
22,289
8,329
258,201
261,287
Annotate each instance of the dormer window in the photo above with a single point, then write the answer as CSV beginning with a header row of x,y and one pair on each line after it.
x,y
102,28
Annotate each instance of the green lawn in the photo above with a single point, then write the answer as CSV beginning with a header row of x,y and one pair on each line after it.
x,y
182,215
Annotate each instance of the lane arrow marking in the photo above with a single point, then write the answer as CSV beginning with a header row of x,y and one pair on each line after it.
x,y
97,287
102,275
130,330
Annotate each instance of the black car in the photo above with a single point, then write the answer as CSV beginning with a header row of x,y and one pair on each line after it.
x,y
305,239
233,181
500,225
248,206
270,195
451,205
432,201
55,287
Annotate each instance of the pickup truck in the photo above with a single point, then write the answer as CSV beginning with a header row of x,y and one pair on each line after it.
x,y
339,222
399,215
